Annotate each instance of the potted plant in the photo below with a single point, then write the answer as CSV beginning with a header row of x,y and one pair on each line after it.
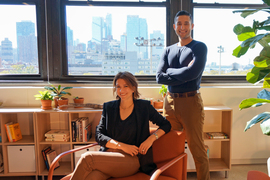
x,y
46,99
158,104
58,92
260,72
78,100
62,103
163,90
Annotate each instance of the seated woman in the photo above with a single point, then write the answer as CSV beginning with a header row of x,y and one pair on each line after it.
x,y
123,134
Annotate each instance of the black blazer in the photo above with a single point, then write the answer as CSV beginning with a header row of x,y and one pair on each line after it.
x,y
144,112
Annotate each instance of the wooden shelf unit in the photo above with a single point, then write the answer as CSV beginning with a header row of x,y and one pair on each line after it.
x,y
35,122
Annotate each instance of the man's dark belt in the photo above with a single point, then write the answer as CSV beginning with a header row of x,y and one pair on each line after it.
x,y
186,94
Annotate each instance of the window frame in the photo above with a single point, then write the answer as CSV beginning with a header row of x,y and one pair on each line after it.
x,y
51,38
41,40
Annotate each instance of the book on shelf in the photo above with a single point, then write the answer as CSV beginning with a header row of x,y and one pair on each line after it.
x,y
87,132
15,131
44,152
8,131
79,128
207,150
57,133
64,139
51,155
216,135
73,130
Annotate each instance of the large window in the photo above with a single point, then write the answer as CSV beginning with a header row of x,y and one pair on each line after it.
x,y
92,40
18,40
103,40
214,25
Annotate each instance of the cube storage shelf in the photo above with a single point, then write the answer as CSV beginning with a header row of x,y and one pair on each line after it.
x,y
35,122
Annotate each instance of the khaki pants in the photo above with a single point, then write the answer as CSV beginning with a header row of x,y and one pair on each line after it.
x,y
187,113
103,165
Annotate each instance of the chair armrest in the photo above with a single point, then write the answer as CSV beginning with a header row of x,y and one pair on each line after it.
x,y
50,174
166,166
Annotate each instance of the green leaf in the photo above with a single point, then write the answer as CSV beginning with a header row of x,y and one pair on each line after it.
x,y
59,87
245,36
257,74
67,88
238,29
263,60
267,28
239,51
265,126
252,102
253,40
246,12
258,118
266,2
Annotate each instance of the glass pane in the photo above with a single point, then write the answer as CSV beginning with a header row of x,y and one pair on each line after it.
x,y
107,40
18,40
217,32
230,1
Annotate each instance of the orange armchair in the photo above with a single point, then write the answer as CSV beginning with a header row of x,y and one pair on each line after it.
x,y
168,153
257,175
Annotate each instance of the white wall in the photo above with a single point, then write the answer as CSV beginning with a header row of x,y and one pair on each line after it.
x,y
247,147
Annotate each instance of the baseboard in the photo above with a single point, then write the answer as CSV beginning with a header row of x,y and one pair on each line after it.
x,y
249,161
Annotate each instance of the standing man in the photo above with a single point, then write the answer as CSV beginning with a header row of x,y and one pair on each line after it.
x,y
181,68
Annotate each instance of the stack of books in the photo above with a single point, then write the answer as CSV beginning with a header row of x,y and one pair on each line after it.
x,y
81,129
57,135
13,131
217,135
49,155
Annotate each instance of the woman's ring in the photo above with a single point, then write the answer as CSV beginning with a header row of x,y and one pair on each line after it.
x,y
142,150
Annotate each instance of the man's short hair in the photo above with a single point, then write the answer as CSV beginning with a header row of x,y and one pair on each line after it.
x,y
182,13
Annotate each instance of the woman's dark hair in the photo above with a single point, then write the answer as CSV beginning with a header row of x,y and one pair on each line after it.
x,y
131,81
182,13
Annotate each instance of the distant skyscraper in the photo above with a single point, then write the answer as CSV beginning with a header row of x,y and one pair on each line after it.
x,y
123,43
136,27
70,46
26,42
7,50
97,29
108,33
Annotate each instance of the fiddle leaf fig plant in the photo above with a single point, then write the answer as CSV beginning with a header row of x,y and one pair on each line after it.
x,y
249,36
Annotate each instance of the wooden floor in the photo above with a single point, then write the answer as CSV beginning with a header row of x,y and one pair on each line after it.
x,y
238,172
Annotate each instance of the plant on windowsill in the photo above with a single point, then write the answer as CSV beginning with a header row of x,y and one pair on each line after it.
x,y
158,104
163,90
58,92
46,99
261,70
78,100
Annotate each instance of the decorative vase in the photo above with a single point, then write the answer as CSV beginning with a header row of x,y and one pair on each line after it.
x,y
61,102
78,101
158,104
46,104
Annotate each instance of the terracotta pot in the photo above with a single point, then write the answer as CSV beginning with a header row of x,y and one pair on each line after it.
x,y
158,104
46,104
62,101
78,101
55,102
